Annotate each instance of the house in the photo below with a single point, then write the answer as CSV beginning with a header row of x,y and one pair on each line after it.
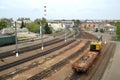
x,y
93,24
110,28
18,23
90,25
58,24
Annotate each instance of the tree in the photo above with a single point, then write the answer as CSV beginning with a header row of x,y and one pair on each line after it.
x,y
45,26
118,28
96,30
47,29
3,24
33,27
76,23
20,19
63,20
8,21
37,21
26,18
11,20
43,22
22,24
102,30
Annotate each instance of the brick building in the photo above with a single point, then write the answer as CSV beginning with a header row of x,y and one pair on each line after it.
x,y
92,25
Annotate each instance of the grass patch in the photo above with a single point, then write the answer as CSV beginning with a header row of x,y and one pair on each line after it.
x,y
22,37
118,38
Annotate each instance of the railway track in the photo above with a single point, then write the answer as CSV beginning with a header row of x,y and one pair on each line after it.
x,y
45,60
100,71
48,71
34,56
30,48
86,35
26,49
97,69
36,38
54,67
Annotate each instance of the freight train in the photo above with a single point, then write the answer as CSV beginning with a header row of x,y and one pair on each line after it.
x,y
96,45
7,36
84,63
5,40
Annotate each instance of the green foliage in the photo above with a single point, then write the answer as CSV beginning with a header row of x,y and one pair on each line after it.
x,y
45,26
118,38
117,24
47,29
4,22
76,23
96,30
37,21
118,28
63,19
112,23
102,30
33,27
22,24
43,22
21,19
27,18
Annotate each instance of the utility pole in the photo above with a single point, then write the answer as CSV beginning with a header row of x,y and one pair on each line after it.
x,y
41,34
65,34
17,55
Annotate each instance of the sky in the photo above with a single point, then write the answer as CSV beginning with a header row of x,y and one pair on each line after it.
x,y
60,9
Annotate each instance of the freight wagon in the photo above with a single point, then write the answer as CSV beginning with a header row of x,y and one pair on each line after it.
x,y
83,64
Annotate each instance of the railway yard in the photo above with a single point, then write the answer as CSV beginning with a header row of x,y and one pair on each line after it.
x,y
55,61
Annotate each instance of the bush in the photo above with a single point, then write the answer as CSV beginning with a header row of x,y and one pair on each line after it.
x,y
102,30
96,30
33,27
47,29
118,38
3,24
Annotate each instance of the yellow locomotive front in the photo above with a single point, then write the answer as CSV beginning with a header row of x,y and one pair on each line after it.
x,y
95,45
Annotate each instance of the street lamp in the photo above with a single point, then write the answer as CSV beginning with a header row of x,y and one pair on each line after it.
x,y
41,34
16,41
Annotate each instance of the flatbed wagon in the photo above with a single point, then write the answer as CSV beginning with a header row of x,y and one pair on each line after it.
x,y
83,64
